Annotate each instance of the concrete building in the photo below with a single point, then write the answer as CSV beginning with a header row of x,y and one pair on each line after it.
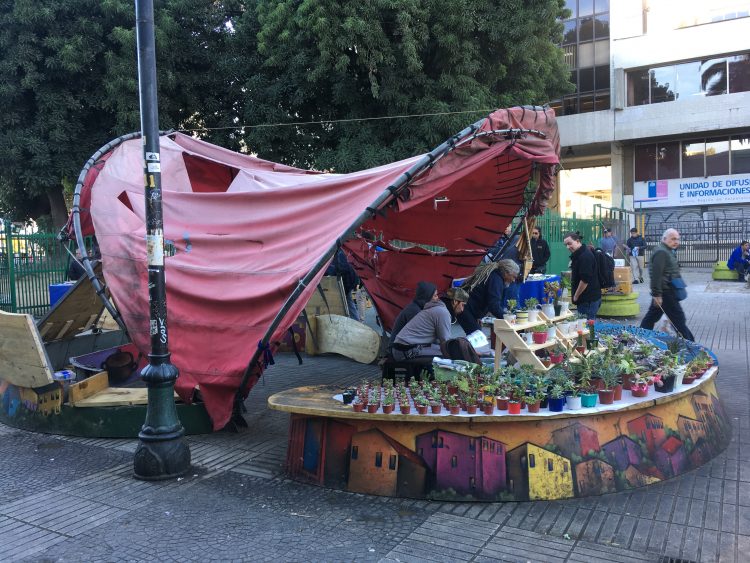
x,y
663,98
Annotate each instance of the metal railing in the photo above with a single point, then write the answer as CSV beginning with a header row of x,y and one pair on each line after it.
x,y
702,242
29,264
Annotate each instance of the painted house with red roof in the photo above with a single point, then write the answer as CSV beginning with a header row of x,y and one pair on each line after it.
x,y
468,465
671,458
650,429
576,439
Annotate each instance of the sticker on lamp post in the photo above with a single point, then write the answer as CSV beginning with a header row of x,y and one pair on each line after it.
x,y
155,249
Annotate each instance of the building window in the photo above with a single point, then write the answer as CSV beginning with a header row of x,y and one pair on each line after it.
x,y
420,452
472,483
739,154
472,444
454,461
668,161
565,467
645,162
355,452
550,465
717,157
392,462
692,79
378,459
440,442
693,153
532,460
485,445
434,440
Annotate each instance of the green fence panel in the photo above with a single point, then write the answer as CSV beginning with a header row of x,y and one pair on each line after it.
x,y
553,228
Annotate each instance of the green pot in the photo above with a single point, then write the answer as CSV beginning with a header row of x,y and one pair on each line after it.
x,y
588,400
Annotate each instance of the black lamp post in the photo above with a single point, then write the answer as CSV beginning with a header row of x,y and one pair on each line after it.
x,y
162,452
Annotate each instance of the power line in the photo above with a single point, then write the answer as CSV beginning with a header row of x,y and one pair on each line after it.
x,y
330,121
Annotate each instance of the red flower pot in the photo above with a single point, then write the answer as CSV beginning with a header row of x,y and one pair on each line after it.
x,y
388,409
422,409
502,404
372,407
471,409
639,389
539,337
454,409
581,349
627,380
606,396
436,409
688,379
405,409
556,358
358,407
618,392
514,407
488,408
533,407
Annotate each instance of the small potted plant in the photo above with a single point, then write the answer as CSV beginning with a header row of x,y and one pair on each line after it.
x,y
510,315
502,393
544,356
556,398
517,395
539,334
388,403
471,402
640,383
628,368
557,355
421,402
358,405
531,306
551,331
592,342
573,393
534,395
404,404
580,343
610,378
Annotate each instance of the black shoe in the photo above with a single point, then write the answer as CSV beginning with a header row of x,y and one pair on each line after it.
x,y
636,281
640,280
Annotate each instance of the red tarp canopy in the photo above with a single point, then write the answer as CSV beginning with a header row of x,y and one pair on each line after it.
x,y
247,230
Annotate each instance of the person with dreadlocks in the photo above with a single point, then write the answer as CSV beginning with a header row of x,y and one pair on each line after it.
x,y
486,287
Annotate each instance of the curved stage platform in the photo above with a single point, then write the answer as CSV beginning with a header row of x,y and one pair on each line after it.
x,y
501,457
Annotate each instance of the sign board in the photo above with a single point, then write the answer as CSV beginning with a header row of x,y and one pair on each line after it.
x,y
734,188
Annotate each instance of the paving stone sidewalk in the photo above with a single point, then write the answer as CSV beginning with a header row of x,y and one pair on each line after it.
x,y
73,499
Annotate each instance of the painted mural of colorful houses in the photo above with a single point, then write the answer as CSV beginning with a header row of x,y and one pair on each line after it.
x,y
671,458
636,477
701,453
650,429
622,452
576,440
705,411
536,473
318,450
594,477
467,465
379,465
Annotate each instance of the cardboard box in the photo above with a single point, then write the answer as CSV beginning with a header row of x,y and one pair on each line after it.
x,y
623,274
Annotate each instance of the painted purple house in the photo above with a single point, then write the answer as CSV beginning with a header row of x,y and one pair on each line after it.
x,y
671,458
469,465
622,451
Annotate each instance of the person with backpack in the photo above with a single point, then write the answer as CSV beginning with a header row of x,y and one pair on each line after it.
x,y
585,287
667,286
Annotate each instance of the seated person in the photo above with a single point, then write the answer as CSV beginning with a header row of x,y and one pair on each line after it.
x,y
426,292
427,333
486,287
739,260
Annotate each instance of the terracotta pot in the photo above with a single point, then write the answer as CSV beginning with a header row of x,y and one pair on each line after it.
x,y
639,389
581,349
471,409
627,380
556,358
422,409
388,409
405,409
546,362
618,392
688,379
514,407
436,409
358,407
606,396
533,407
454,409
372,408
488,408
539,337
502,403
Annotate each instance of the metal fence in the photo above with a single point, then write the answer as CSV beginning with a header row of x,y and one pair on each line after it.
x,y
553,228
702,242
29,264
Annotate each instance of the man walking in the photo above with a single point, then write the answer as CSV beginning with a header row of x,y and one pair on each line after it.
x,y
636,252
666,282
539,252
587,292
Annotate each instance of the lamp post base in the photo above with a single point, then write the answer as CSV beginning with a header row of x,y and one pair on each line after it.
x,y
159,460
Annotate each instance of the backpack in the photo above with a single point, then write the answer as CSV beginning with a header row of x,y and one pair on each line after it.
x,y
605,268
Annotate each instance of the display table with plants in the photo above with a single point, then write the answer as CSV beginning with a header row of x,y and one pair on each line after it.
x,y
632,411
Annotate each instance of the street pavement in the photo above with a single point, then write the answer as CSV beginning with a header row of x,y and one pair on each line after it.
x,y
74,499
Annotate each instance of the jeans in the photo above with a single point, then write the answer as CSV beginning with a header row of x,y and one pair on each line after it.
x,y
352,306
589,309
674,313
741,268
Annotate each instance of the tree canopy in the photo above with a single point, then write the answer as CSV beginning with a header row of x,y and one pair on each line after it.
x,y
68,80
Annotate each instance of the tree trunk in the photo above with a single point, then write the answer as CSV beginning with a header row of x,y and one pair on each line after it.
x,y
58,209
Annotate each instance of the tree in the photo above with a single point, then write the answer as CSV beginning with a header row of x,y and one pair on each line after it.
x,y
68,84
321,60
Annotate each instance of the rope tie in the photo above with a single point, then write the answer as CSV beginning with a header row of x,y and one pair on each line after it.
x,y
267,355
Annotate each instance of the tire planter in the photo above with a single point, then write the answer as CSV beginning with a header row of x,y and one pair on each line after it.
x,y
619,306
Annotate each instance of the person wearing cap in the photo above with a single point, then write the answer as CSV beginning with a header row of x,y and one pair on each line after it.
x,y
636,250
427,333
487,287
425,292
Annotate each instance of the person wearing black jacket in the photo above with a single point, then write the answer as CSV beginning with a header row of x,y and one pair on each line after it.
x,y
340,267
425,293
636,250
539,252
487,288
585,288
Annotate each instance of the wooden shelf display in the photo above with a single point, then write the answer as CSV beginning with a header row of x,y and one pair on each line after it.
x,y
508,336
